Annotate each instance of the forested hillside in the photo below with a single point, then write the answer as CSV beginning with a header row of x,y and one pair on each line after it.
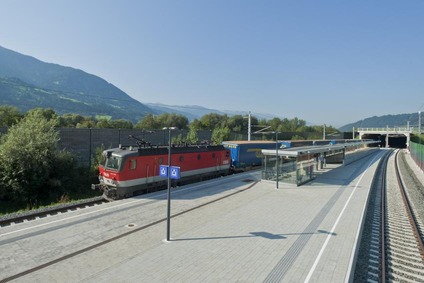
x,y
26,83
400,120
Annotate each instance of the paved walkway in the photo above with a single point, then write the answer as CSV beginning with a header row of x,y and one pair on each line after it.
x,y
258,234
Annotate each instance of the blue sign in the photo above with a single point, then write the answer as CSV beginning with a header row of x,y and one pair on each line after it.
x,y
175,171
163,170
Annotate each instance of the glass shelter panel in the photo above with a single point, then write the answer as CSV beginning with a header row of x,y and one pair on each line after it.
x,y
288,170
285,170
268,168
305,169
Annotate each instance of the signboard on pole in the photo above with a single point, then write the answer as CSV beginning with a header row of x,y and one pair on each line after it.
x,y
175,172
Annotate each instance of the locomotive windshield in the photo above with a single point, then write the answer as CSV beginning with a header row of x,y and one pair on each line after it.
x,y
113,162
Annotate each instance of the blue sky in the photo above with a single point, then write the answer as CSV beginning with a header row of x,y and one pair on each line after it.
x,y
331,62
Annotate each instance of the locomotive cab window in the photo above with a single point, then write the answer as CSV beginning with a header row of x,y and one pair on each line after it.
x,y
113,162
133,164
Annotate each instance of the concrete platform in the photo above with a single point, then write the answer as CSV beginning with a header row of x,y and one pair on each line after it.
x,y
256,234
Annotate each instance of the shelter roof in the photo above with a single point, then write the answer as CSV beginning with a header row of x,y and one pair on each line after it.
x,y
304,150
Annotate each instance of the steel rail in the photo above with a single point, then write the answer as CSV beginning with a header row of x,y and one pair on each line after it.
x,y
408,206
102,243
383,219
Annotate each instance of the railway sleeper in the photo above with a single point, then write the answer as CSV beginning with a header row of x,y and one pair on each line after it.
x,y
404,247
399,273
408,261
403,258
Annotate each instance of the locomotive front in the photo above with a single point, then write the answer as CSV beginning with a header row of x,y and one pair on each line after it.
x,y
109,168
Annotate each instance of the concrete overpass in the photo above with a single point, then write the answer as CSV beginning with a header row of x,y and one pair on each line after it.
x,y
387,132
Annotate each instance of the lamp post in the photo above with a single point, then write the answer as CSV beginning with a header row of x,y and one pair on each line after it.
x,y
323,133
419,136
168,210
276,157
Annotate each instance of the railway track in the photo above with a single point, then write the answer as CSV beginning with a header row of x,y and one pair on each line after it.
x,y
134,229
48,211
392,245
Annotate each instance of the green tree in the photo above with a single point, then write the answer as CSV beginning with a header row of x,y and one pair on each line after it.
x,y
103,124
213,120
196,124
173,120
220,134
148,123
47,113
276,124
192,137
70,120
88,122
177,139
239,123
121,124
27,157
9,116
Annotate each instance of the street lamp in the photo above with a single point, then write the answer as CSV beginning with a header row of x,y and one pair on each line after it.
x,y
276,157
168,210
323,133
419,135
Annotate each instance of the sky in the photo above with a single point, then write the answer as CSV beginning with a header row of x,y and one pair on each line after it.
x,y
326,62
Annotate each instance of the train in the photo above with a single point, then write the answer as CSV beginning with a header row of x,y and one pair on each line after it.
x,y
246,155
126,171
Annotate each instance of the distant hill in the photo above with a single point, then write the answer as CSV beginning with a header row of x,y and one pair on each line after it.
x,y
400,120
196,112
26,82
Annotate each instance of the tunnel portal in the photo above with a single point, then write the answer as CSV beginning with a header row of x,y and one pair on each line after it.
x,y
395,141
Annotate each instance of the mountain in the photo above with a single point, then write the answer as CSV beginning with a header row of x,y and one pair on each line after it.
x,y
400,120
196,112
26,82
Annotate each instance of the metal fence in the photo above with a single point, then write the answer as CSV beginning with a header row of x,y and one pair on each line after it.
x,y
417,153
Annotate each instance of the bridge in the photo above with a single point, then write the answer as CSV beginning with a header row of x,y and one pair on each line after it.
x,y
395,132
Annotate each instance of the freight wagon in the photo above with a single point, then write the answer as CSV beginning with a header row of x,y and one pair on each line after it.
x,y
247,154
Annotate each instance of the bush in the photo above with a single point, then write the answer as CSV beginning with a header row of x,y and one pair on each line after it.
x,y
33,170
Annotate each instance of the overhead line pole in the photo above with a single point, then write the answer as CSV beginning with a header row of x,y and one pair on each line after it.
x,y
249,131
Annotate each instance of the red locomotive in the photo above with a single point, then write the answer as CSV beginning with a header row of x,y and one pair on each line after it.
x,y
127,171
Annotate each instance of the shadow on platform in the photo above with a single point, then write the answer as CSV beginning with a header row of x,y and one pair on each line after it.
x,y
265,235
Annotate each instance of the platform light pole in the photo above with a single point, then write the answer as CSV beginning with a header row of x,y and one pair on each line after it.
x,y
168,209
249,125
419,136
276,158
419,127
323,133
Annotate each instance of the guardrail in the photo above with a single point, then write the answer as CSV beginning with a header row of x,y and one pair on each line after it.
x,y
417,154
385,130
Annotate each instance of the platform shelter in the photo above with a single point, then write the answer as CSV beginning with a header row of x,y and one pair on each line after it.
x,y
299,165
